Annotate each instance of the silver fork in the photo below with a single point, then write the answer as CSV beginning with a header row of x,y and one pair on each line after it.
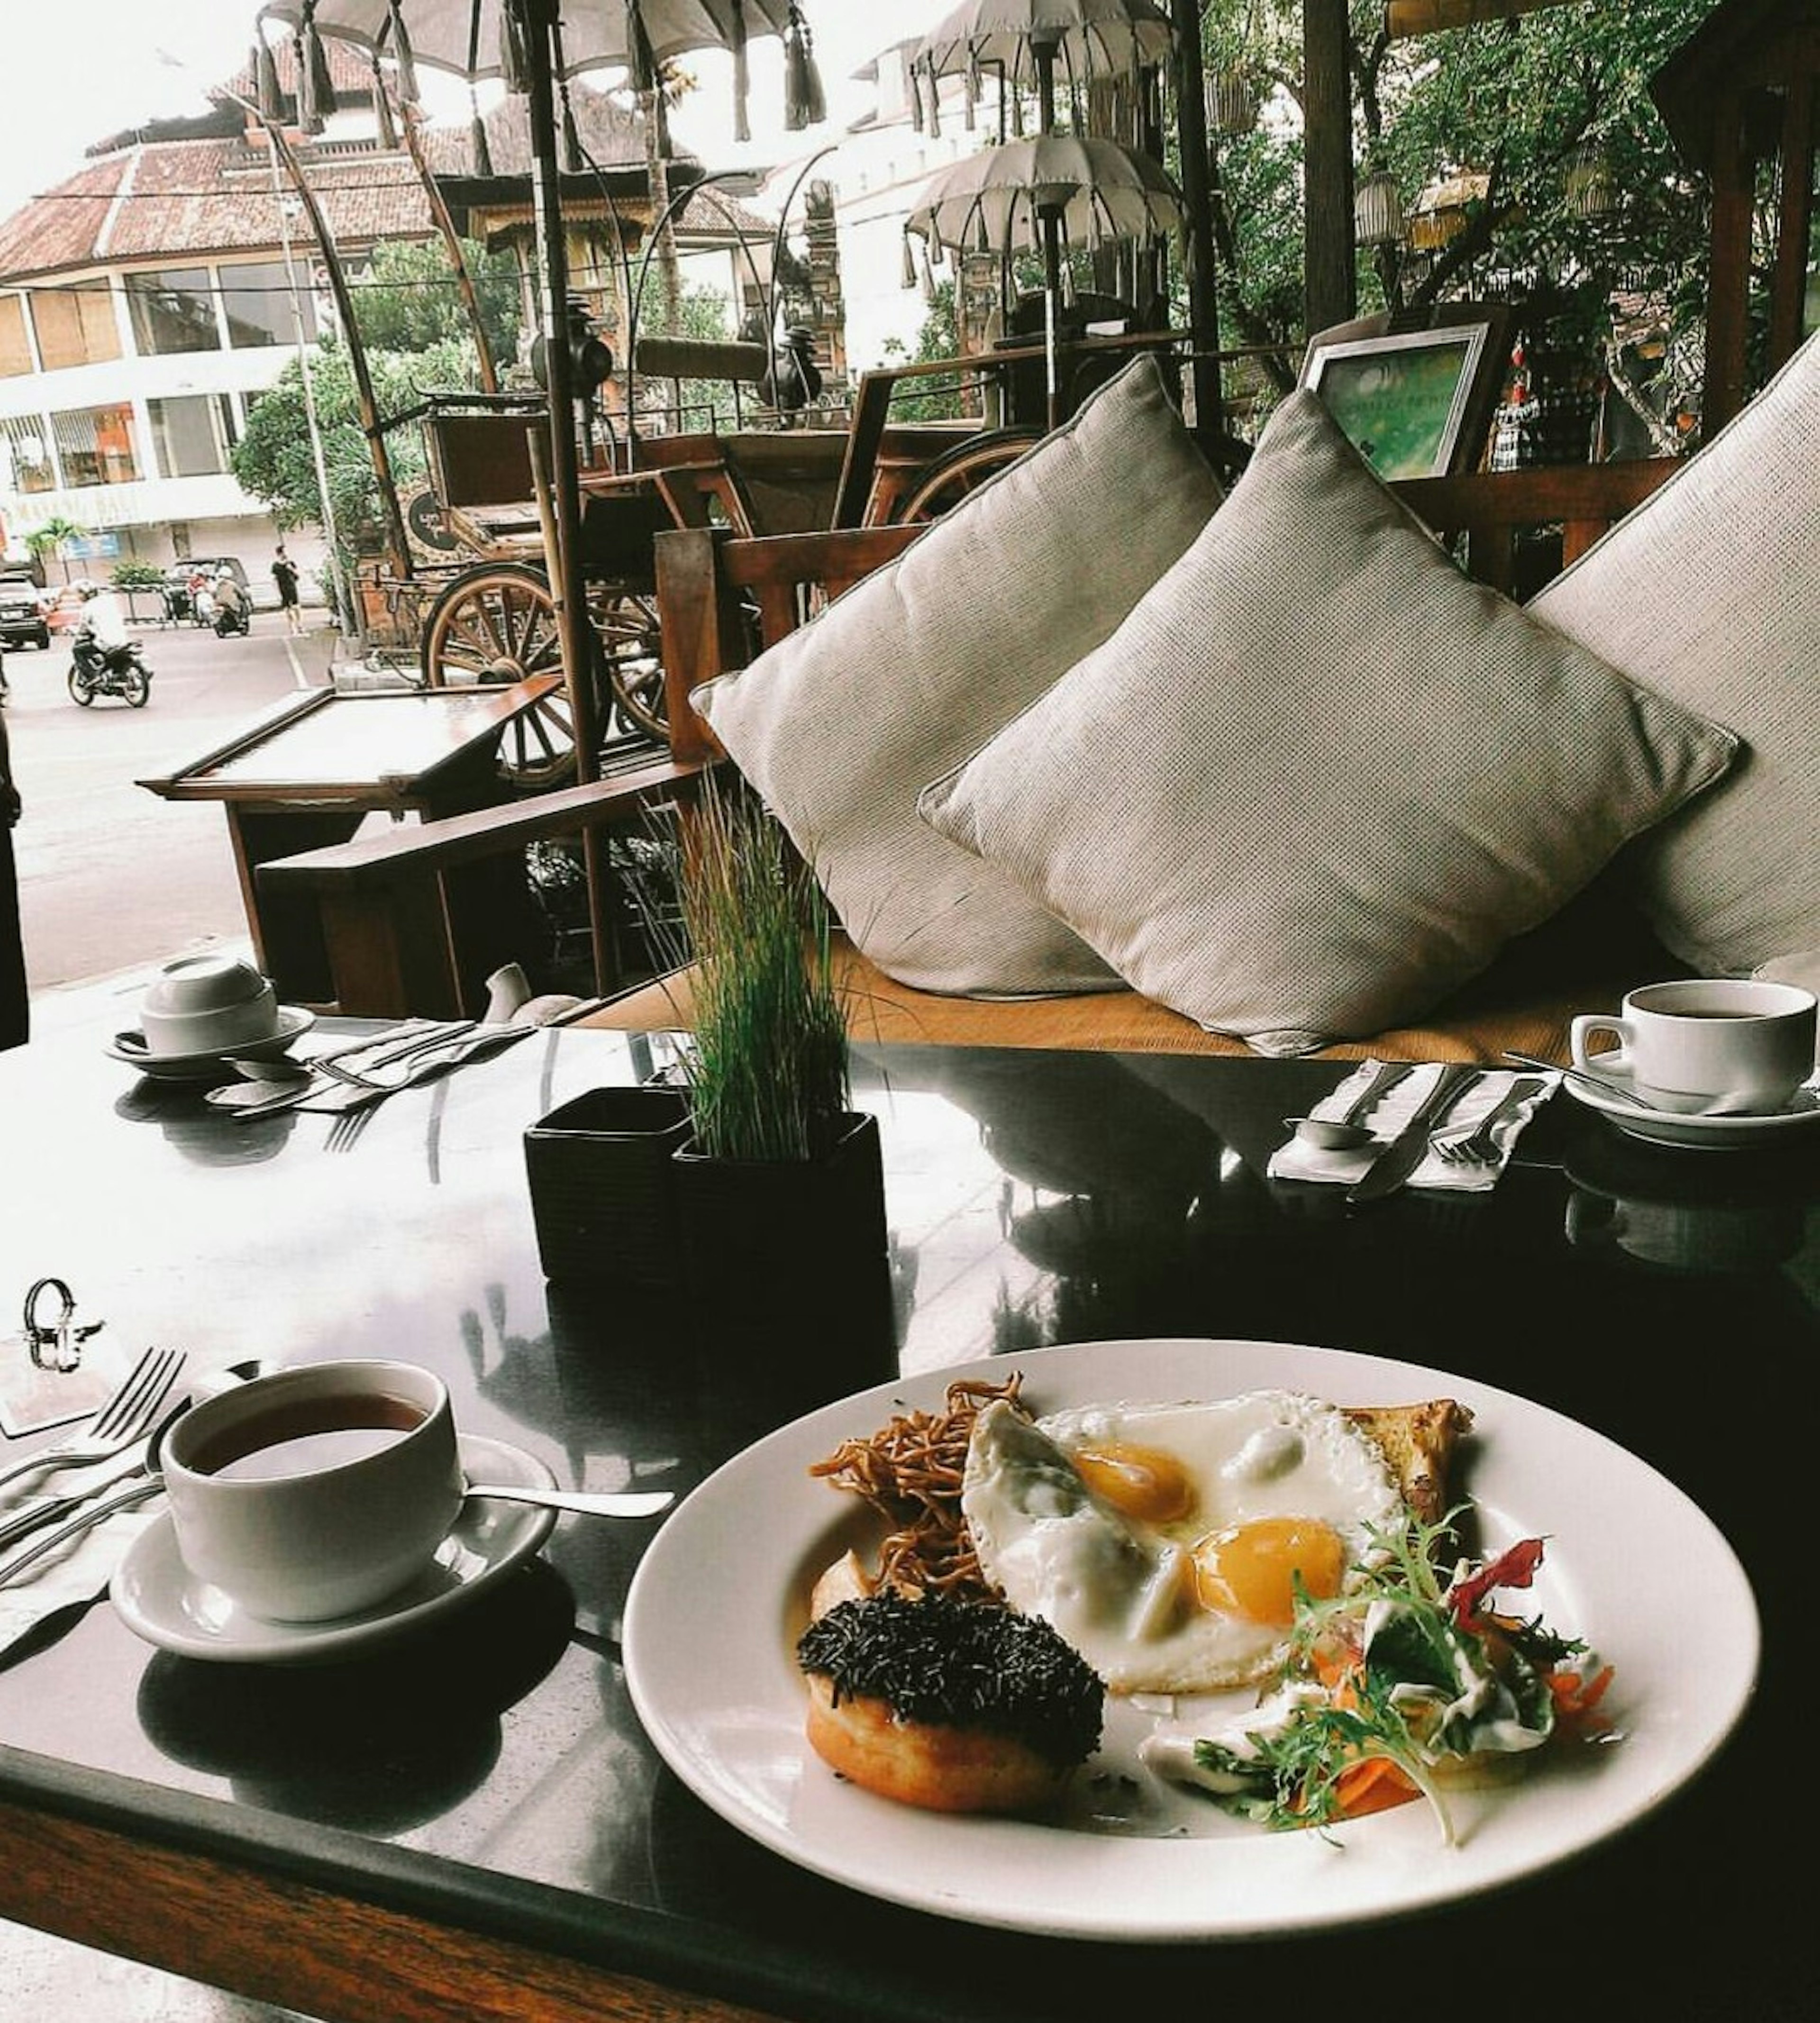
x,y
350,1123
431,1058
1479,1146
127,1414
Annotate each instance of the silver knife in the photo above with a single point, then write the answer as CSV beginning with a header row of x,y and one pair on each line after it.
x,y
1401,1158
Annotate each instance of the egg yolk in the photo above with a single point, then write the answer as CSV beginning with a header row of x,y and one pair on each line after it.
x,y
1141,1483
1250,1570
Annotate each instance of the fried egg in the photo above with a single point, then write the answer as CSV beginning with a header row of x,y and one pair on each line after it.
x,y
1164,1542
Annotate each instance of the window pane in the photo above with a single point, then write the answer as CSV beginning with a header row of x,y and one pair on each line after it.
x,y
15,352
258,304
172,312
75,324
95,445
191,434
25,464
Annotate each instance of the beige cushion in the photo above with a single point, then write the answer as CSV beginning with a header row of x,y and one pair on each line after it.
x,y
1709,592
1318,777
839,725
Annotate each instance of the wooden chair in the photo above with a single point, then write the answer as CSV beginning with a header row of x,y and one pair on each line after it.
x,y
400,936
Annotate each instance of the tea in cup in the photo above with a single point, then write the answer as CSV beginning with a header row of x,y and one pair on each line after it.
x,y
200,1004
315,1492
1731,1046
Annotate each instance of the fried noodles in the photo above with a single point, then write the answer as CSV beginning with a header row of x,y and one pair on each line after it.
x,y
910,1472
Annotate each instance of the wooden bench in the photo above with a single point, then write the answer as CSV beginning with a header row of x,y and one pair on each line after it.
x,y
400,940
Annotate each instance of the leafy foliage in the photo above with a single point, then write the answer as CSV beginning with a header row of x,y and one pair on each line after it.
x,y
1512,100
410,300
274,458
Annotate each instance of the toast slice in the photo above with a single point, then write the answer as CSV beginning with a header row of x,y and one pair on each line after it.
x,y
1419,1442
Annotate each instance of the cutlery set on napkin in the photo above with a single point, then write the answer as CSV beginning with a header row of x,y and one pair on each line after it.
x,y
365,1072
1389,1125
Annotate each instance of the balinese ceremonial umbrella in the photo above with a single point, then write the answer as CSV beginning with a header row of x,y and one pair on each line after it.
x,y
532,44
1039,193
1028,41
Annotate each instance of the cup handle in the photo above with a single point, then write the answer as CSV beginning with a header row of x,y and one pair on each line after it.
x,y
1580,1031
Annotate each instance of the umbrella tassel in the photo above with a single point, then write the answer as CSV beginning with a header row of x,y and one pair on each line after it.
x,y
316,90
805,104
909,262
514,60
916,115
265,71
574,161
477,136
742,76
402,59
929,278
388,130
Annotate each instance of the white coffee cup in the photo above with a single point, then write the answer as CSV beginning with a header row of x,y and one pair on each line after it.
x,y
200,1004
1730,1044
315,1491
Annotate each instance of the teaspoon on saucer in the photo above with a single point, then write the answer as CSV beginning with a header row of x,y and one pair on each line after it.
x,y
594,1503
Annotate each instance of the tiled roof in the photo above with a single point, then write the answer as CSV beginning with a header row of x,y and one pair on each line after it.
x,y
185,199
176,191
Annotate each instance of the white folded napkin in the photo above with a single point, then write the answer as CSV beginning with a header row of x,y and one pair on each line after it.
x,y
1297,1160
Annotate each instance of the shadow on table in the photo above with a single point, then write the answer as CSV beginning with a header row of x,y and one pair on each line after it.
x,y
377,1744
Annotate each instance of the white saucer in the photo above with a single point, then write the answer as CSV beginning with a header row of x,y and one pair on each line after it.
x,y
294,1021
1710,1134
162,1601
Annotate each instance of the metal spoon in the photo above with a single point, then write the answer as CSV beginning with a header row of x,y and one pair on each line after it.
x,y
624,1503
1603,1083
1347,1132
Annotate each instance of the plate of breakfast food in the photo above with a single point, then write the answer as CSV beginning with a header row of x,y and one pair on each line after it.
x,y
1184,1639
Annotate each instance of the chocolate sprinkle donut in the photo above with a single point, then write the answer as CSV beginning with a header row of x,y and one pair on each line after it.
x,y
961,1664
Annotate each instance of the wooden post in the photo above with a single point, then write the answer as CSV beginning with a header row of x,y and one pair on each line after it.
x,y
568,585
1199,270
1330,290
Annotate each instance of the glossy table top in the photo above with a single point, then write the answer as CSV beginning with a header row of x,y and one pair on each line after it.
x,y
495,1771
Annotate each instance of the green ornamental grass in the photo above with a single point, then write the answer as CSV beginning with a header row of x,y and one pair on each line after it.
x,y
767,1066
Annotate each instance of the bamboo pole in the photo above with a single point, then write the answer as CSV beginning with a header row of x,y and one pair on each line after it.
x,y
409,123
397,545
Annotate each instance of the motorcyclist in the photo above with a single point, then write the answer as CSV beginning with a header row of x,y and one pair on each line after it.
x,y
103,629
231,612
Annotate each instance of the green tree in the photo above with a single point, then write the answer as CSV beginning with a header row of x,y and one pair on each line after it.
x,y
274,458
51,538
409,299
938,337
1513,102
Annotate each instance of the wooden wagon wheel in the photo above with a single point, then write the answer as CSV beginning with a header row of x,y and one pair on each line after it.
x,y
497,623
942,485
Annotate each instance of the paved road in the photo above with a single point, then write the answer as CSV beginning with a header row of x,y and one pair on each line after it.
x,y
111,876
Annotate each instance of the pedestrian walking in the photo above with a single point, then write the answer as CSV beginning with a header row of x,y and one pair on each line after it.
x,y
284,575
15,1021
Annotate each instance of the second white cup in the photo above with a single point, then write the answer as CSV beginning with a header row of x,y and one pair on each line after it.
x,y
1720,1044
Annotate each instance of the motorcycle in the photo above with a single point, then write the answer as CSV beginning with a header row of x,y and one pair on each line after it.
x,y
108,670
232,619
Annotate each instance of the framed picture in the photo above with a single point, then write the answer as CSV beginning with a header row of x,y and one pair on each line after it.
x,y
1414,403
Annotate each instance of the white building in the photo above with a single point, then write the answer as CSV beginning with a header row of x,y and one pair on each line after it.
x,y
147,301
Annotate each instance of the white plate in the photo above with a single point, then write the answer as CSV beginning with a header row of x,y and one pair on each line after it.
x,y
721,1594
294,1021
1708,1134
164,1602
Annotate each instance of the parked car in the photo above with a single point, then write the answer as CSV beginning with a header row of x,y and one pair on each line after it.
x,y
22,619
